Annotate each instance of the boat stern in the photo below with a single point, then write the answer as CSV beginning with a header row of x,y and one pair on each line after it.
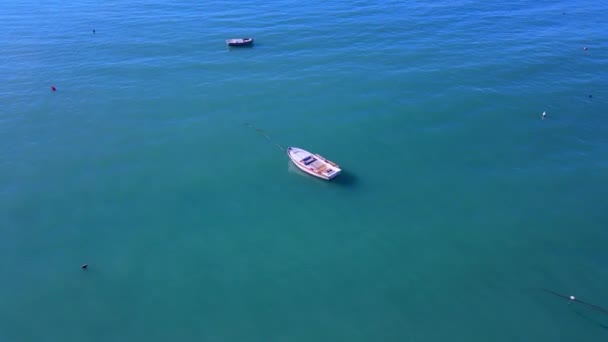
x,y
332,172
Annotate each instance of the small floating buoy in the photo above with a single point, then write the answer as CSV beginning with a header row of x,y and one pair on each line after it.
x,y
93,31
572,299
590,96
84,266
542,116
586,48
53,88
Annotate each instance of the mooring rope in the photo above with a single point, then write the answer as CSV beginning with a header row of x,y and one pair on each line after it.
x,y
574,299
265,135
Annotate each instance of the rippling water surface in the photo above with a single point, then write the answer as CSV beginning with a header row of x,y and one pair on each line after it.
x,y
458,204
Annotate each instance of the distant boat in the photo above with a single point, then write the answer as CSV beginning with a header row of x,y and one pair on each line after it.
x,y
240,42
313,164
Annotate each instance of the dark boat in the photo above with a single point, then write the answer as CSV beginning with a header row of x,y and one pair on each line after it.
x,y
240,42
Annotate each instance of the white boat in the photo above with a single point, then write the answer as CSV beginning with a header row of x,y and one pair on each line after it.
x,y
239,42
313,164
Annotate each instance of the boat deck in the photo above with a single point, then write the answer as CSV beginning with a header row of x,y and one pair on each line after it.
x,y
313,164
316,164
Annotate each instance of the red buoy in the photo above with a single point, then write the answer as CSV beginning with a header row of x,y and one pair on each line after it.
x,y
53,88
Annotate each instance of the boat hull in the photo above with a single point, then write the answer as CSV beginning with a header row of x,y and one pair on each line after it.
x,y
240,42
330,169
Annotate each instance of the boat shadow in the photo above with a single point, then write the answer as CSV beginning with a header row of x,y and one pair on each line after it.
x,y
243,47
346,179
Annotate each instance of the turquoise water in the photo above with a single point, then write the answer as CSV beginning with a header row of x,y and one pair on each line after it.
x,y
457,206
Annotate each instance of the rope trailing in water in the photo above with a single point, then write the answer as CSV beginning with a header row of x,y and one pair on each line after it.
x,y
265,135
574,299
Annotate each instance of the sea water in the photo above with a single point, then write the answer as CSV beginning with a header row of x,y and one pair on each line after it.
x,y
458,203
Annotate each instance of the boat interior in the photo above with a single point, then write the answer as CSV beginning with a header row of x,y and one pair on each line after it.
x,y
314,163
308,160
